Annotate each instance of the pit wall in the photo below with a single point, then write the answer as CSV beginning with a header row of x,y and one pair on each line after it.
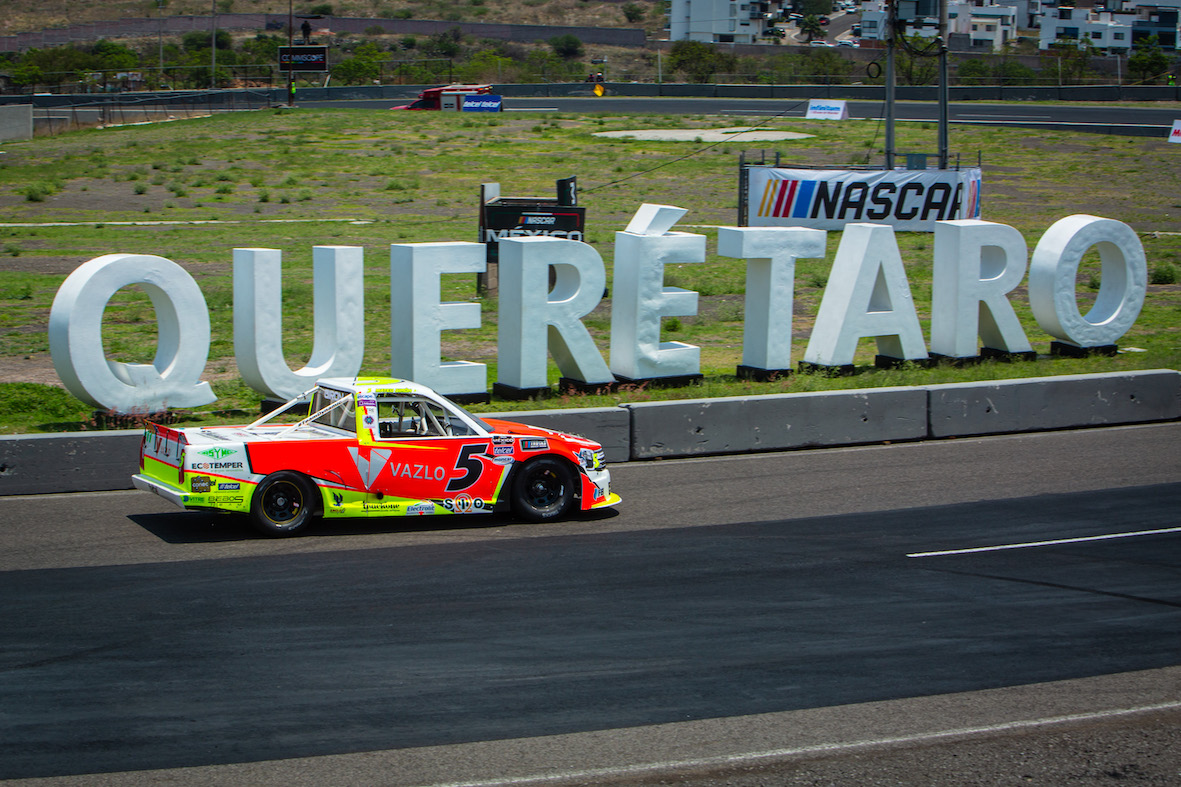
x,y
81,462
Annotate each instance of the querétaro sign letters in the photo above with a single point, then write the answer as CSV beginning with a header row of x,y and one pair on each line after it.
x,y
977,265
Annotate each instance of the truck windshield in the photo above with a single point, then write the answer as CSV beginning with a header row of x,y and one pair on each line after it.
x,y
341,416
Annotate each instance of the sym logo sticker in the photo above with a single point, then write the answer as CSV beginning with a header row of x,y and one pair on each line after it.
x,y
370,468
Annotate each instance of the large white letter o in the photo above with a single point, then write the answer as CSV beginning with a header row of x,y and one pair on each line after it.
x,y
76,343
1054,267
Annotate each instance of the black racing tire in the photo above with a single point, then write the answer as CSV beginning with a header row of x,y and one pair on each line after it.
x,y
283,504
543,489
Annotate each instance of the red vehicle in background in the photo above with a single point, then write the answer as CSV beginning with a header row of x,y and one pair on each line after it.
x,y
448,97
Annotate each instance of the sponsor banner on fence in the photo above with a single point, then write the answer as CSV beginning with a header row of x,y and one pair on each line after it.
x,y
830,199
826,109
1175,134
482,103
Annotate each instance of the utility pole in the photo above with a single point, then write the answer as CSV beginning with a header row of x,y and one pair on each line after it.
x,y
290,43
943,90
213,47
891,25
160,36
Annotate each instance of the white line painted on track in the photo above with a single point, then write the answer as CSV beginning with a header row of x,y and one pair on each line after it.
x,y
1007,117
1031,544
530,109
721,761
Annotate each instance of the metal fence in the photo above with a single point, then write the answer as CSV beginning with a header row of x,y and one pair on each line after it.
x,y
129,109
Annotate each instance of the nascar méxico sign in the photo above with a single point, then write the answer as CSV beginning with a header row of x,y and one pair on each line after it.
x,y
829,199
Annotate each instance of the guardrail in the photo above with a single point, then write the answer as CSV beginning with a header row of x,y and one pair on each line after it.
x,y
79,462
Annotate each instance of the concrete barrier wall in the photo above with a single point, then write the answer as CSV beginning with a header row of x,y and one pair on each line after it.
x,y
1040,403
76,462
772,423
16,122
39,464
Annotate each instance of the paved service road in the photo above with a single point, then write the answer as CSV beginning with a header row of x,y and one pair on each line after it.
x,y
734,613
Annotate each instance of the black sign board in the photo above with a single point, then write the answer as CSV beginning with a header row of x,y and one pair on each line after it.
x,y
522,217
520,221
303,58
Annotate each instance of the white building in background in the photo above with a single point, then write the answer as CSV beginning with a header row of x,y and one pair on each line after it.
x,y
1114,31
1103,29
988,27
724,21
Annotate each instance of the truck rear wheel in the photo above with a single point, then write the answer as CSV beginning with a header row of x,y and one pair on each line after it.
x,y
283,504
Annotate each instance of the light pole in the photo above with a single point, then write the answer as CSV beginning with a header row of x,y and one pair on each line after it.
x,y
213,47
943,87
290,43
160,36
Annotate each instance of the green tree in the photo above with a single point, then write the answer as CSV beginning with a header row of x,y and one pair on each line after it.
x,y
1002,72
699,61
1010,72
567,47
1069,60
356,71
111,56
486,66
811,27
916,62
362,68
26,75
446,44
633,13
57,65
1147,61
826,66
198,40
263,48
973,72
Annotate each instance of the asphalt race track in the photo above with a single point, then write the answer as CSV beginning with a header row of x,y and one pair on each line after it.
x,y
1140,120
723,591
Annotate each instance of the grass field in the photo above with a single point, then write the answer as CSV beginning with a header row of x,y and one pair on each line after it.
x,y
193,190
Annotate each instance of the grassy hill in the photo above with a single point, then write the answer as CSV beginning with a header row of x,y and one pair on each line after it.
x,y
25,15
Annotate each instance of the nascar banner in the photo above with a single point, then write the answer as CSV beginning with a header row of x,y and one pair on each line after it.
x,y
829,199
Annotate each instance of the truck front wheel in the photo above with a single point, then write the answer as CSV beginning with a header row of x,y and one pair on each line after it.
x,y
543,489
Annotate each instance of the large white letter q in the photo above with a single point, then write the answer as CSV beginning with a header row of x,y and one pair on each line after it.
x,y
76,344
